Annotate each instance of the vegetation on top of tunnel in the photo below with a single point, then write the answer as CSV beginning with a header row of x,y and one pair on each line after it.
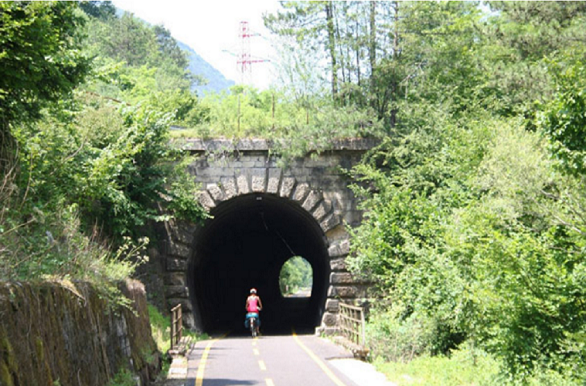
x,y
297,127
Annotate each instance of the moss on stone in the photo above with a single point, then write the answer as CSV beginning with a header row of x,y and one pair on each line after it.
x,y
8,357
5,377
39,347
62,329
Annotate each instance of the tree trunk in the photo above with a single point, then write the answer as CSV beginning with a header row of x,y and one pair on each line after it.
x,y
358,47
332,47
338,38
372,37
396,55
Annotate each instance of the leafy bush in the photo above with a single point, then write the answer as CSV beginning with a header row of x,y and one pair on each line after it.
x,y
90,171
114,166
478,237
123,377
397,339
41,60
563,121
468,366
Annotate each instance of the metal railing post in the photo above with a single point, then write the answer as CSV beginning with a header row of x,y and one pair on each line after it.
x,y
352,323
363,329
176,325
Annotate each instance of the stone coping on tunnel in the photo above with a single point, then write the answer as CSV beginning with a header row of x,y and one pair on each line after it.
x,y
260,144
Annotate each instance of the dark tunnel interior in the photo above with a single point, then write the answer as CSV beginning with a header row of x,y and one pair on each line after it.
x,y
245,245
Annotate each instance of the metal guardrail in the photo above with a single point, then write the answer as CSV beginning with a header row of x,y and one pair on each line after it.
x,y
352,323
176,326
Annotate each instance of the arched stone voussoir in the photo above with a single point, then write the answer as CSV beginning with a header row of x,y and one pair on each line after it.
x,y
312,199
259,180
339,248
242,184
228,185
274,181
287,187
216,192
330,222
206,200
322,210
301,192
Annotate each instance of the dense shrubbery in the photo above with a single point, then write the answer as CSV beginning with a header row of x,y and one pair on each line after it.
x,y
474,229
487,248
86,170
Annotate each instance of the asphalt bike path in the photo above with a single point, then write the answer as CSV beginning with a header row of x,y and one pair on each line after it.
x,y
279,360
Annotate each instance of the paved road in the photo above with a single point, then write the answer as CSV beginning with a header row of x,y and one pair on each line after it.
x,y
279,360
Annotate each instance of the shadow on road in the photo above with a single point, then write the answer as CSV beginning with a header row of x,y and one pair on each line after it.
x,y
208,382
228,382
274,320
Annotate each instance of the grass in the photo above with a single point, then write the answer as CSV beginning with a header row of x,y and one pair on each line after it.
x,y
161,328
123,378
461,369
161,331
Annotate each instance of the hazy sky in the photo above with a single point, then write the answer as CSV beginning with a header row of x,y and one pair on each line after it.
x,y
210,27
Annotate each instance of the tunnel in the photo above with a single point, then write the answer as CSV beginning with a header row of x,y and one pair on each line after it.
x,y
244,245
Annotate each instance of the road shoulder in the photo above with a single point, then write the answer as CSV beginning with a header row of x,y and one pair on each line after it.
x,y
361,373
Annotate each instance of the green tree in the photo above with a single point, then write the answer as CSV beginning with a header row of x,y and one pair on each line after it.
x,y
563,120
312,23
157,76
296,273
472,232
98,9
41,61
92,170
385,55
130,40
521,40
169,48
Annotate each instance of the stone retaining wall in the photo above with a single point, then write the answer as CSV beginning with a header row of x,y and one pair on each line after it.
x,y
66,334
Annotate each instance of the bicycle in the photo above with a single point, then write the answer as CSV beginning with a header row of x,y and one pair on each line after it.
x,y
252,323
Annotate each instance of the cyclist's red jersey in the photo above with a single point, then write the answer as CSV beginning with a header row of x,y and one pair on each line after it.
x,y
252,304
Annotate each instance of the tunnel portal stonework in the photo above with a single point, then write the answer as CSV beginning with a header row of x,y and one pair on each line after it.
x,y
315,185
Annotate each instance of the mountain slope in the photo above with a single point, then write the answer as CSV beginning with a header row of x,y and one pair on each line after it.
x,y
198,66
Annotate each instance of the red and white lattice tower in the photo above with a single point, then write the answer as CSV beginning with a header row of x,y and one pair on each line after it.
x,y
245,59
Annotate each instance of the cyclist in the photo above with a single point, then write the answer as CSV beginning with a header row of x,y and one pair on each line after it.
x,y
253,307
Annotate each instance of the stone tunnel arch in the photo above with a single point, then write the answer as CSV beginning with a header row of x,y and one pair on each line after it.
x,y
245,245
263,215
